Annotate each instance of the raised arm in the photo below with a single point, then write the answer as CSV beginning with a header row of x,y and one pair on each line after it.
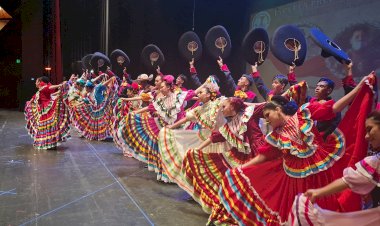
x,y
194,75
229,85
97,78
292,79
112,79
259,83
345,100
126,76
348,81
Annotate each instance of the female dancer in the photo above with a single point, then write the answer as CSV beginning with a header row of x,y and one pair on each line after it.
x,y
139,130
122,108
47,116
92,117
173,144
232,145
294,159
361,180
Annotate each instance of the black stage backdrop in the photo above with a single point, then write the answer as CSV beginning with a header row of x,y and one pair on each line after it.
x,y
134,24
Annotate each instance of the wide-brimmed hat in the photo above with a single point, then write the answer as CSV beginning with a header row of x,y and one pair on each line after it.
x,y
256,46
86,62
119,58
329,48
100,61
289,45
190,46
218,42
152,56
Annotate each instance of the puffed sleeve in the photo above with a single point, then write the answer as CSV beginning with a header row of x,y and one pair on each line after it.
x,y
269,151
321,111
365,177
217,137
190,94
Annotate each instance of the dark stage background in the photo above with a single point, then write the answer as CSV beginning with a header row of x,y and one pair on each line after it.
x,y
133,24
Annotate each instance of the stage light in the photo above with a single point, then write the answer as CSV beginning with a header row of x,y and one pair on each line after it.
x,y
4,18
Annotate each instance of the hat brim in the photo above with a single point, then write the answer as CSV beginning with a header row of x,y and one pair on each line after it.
x,y
190,46
86,62
285,35
329,48
146,56
218,42
115,54
97,56
256,46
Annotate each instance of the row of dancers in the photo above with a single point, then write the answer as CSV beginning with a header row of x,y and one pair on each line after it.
x,y
245,162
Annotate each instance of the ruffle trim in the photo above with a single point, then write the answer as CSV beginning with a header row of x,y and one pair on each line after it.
x,y
367,170
237,140
281,142
323,164
206,114
170,117
275,214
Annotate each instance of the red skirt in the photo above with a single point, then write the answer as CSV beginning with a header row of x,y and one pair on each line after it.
x,y
263,194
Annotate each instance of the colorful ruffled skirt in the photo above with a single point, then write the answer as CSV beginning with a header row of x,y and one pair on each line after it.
x,y
120,110
139,135
173,145
47,126
204,171
263,194
94,121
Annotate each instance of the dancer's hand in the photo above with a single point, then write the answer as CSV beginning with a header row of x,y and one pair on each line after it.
x,y
292,67
191,63
370,76
220,62
312,194
254,68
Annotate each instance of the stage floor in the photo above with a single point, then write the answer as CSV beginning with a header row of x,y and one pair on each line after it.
x,y
82,183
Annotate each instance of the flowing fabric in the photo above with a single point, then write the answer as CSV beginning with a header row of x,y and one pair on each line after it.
x,y
263,194
92,119
121,109
361,180
234,144
139,132
47,120
173,144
